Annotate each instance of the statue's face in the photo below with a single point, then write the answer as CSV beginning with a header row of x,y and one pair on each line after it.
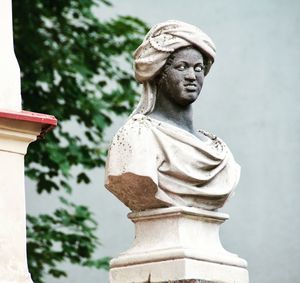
x,y
183,76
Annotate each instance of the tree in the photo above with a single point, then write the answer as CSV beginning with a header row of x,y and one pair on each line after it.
x,y
74,66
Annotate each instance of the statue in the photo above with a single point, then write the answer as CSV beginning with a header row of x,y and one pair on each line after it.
x,y
172,177
157,159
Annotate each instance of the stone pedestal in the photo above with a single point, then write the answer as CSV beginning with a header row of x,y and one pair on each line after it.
x,y
178,244
17,130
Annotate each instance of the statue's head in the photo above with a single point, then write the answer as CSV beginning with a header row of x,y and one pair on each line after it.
x,y
181,78
164,45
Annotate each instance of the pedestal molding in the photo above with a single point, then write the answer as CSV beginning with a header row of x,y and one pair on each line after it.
x,y
15,142
177,210
179,270
18,129
177,243
180,253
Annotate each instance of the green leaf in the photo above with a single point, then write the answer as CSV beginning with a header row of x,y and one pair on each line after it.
x,y
57,273
82,177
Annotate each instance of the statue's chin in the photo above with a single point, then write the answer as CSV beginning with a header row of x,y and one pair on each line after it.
x,y
187,98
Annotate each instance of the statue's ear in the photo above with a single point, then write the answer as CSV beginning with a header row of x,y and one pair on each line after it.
x,y
157,78
208,63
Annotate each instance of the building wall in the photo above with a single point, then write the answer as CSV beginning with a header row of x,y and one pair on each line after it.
x,y
251,100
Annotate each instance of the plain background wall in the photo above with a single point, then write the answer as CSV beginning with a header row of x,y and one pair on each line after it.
x,y
250,99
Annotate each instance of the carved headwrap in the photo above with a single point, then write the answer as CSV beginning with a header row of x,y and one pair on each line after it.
x,y
162,40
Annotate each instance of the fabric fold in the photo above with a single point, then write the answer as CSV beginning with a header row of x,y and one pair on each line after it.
x,y
180,168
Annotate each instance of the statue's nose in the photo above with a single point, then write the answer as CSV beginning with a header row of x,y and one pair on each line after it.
x,y
190,74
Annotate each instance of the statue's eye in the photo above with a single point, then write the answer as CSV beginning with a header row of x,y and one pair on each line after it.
x,y
180,67
199,68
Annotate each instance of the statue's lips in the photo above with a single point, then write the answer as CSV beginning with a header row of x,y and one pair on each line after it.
x,y
190,87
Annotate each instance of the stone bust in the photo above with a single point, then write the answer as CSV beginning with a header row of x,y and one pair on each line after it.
x,y
157,159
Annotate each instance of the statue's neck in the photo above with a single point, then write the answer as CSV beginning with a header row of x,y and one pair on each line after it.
x,y
168,111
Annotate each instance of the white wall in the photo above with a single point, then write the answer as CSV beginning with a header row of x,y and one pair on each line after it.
x,y
250,99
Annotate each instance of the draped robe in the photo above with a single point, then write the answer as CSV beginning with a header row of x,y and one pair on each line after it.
x,y
154,164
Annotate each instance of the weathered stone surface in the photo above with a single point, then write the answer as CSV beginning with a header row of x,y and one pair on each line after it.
x,y
158,159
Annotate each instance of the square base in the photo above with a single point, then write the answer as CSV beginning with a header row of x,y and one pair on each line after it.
x,y
175,244
179,270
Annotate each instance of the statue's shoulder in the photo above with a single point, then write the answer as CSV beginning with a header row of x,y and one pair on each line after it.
x,y
137,122
216,142
140,120
137,127
208,134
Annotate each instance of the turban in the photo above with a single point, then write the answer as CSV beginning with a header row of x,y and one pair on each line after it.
x,y
162,40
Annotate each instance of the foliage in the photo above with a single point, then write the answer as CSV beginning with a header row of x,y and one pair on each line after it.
x,y
67,234
74,66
